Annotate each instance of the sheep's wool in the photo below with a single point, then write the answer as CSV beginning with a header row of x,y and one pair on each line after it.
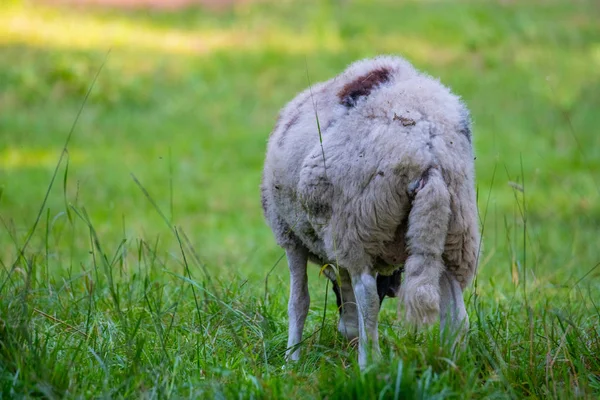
x,y
373,170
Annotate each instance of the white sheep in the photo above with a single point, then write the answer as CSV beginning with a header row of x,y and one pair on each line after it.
x,y
372,171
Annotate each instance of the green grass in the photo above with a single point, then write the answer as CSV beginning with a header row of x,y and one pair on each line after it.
x,y
110,299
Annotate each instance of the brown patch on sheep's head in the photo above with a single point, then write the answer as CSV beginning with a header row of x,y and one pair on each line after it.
x,y
362,86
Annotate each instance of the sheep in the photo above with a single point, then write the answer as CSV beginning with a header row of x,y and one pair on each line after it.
x,y
372,173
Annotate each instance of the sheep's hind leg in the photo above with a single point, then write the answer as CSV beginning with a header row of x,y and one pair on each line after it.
x,y
299,300
348,324
454,321
367,301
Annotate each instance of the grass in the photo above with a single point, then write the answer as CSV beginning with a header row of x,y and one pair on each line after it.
x,y
150,271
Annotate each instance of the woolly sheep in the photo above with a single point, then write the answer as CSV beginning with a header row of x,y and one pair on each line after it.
x,y
372,172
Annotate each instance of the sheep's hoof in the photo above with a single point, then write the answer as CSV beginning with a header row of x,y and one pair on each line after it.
x,y
292,357
348,329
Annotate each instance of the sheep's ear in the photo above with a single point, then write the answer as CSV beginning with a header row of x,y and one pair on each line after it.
x,y
464,125
362,86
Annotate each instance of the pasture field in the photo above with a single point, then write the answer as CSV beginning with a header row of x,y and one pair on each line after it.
x,y
134,259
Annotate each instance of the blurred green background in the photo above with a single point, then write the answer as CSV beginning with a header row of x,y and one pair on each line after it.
x,y
187,99
185,103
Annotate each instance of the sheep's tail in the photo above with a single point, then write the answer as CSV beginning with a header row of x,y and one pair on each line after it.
x,y
426,237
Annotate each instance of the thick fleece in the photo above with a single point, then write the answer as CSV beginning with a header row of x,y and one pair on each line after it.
x,y
387,180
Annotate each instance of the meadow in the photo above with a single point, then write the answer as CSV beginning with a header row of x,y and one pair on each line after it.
x,y
134,258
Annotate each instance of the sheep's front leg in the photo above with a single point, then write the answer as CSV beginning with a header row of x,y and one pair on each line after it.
x,y
367,302
454,321
299,300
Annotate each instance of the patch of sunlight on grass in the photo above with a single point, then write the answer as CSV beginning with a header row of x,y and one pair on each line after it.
x,y
420,50
15,158
46,27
